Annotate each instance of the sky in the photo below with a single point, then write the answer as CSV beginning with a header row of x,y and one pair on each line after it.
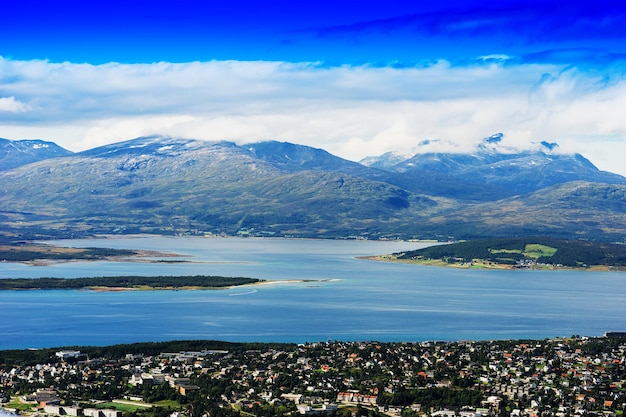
x,y
352,77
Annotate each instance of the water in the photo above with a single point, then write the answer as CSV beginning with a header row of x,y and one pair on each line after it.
x,y
347,299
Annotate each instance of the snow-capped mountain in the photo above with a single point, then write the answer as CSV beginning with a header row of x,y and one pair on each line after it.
x,y
15,153
496,170
170,186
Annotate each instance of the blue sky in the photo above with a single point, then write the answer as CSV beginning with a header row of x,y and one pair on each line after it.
x,y
356,78
333,32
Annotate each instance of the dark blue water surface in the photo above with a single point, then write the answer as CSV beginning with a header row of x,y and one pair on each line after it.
x,y
348,298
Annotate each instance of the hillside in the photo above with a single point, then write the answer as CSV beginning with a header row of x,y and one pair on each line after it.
x,y
492,172
527,252
595,211
167,185
15,153
171,186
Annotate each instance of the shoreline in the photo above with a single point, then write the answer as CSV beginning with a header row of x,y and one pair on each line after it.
x,y
202,288
479,265
100,288
141,255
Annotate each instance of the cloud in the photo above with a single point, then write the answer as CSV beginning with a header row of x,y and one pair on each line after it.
x,y
11,105
351,111
66,92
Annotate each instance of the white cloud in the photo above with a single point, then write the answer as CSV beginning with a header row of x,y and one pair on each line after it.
x,y
350,111
11,105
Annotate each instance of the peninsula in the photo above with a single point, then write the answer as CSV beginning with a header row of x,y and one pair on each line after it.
x,y
34,253
519,253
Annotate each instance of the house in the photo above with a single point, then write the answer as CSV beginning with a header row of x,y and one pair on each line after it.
x,y
186,389
44,397
68,354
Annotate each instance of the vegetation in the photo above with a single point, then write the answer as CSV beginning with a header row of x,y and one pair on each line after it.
x,y
197,281
258,379
31,252
277,189
434,397
125,406
516,251
30,357
18,405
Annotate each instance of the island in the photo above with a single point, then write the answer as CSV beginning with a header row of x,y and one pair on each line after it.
x,y
519,253
118,283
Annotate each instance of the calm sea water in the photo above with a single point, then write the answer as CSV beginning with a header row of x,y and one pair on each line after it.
x,y
348,299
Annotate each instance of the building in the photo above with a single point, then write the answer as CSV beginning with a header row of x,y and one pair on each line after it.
x,y
68,354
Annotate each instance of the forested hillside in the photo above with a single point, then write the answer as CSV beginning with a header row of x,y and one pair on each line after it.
x,y
511,251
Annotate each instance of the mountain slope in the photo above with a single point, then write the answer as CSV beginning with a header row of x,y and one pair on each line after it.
x,y
529,172
385,161
164,185
293,158
579,209
179,186
493,172
15,153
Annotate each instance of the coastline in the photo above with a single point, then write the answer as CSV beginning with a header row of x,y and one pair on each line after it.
x,y
478,264
100,288
201,288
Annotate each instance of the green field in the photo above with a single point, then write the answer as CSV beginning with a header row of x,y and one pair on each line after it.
x,y
531,250
536,251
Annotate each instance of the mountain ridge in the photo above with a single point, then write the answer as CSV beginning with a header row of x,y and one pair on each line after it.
x,y
15,153
490,166
167,185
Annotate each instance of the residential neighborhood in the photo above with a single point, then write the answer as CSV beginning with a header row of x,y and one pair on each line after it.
x,y
573,376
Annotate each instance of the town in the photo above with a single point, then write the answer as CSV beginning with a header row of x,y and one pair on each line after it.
x,y
570,376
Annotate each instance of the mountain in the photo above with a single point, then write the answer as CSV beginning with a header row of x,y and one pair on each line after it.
x,y
293,158
385,161
573,210
15,153
183,186
165,185
493,172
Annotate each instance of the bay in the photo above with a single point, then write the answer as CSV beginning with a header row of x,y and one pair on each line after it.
x,y
320,290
